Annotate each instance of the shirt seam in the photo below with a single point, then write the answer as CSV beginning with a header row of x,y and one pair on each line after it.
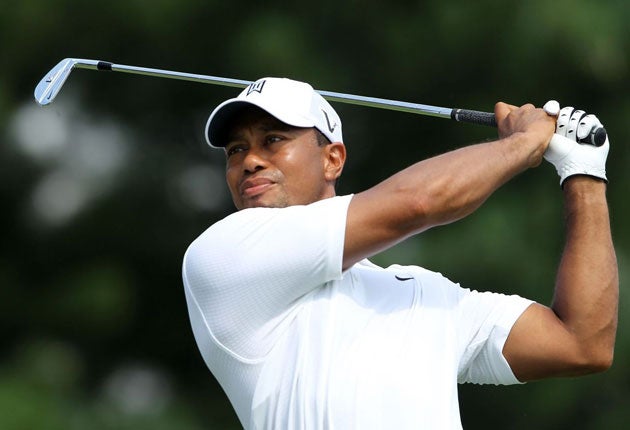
x,y
216,341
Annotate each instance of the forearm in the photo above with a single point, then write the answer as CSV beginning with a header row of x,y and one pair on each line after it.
x,y
586,294
445,188
450,186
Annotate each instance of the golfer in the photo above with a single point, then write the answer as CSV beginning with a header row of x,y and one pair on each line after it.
x,y
302,331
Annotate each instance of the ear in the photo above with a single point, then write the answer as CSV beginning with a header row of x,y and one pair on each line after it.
x,y
335,158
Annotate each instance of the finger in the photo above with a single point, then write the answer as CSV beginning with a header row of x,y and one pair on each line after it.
x,y
563,120
574,121
552,107
586,125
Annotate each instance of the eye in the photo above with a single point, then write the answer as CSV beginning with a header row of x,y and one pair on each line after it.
x,y
272,138
234,149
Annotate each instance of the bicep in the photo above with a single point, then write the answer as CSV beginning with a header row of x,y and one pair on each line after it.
x,y
377,220
540,345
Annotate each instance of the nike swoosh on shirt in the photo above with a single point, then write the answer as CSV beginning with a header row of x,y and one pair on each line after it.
x,y
400,278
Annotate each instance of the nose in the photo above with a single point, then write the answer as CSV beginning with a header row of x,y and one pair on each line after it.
x,y
254,160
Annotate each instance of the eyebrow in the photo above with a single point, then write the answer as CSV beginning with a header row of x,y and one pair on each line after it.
x,y
268,125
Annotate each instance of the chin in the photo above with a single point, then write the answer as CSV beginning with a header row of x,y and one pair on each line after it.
x,y
262,203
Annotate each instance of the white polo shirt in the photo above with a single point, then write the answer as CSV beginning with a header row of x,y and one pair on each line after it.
x,y
298,344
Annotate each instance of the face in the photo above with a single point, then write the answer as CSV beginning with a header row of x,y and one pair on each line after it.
x,y
271,164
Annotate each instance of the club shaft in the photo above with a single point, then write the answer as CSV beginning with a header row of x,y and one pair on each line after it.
x,y
239,83
228,82
51,84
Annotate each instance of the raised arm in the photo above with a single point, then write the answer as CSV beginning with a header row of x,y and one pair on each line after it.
x,y
445,188
577,334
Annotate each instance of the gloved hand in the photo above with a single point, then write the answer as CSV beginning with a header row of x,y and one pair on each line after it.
x,y
567,155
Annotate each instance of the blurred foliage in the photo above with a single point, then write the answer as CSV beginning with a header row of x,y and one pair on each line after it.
x,y
103,190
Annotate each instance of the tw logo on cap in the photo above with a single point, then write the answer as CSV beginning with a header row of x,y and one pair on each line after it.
x,y
255,87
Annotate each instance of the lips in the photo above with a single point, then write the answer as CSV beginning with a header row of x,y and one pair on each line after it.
x,y
255,186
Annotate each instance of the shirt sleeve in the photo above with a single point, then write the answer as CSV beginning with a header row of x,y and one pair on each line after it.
x,y
485,321
247,272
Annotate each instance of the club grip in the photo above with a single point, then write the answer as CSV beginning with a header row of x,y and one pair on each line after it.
x,y
474,117
597,137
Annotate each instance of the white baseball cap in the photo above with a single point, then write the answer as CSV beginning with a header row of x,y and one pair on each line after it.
x,y
292,102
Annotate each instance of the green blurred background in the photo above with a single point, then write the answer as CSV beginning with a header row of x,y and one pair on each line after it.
x,y
103,190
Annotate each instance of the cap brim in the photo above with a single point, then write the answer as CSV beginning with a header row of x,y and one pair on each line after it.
x,y
217,125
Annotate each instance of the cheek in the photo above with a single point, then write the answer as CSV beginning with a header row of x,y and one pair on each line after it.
x,y
231,180
304,174
308,160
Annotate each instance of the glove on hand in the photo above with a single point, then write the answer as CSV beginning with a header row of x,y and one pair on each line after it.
x,y
567,155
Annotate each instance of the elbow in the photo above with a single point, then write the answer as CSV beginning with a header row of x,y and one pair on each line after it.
x,y
594,362
601,363
597,355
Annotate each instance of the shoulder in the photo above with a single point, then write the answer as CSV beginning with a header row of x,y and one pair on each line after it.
x,y
258,216
260,234
251,223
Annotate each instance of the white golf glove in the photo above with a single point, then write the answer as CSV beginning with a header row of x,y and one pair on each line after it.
x,y
566,153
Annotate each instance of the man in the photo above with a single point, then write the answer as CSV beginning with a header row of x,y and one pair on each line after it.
x,y
303,332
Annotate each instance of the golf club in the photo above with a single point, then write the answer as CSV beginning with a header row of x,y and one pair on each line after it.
x,y
51,83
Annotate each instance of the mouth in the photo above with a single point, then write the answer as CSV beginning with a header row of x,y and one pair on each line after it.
x,y
255,186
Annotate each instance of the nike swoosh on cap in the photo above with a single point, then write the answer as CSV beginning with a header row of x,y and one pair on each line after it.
x,y
330,127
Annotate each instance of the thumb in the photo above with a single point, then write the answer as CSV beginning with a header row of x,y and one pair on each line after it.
x,y
501,110
559,147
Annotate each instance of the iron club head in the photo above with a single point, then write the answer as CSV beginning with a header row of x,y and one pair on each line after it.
x,y
51,83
